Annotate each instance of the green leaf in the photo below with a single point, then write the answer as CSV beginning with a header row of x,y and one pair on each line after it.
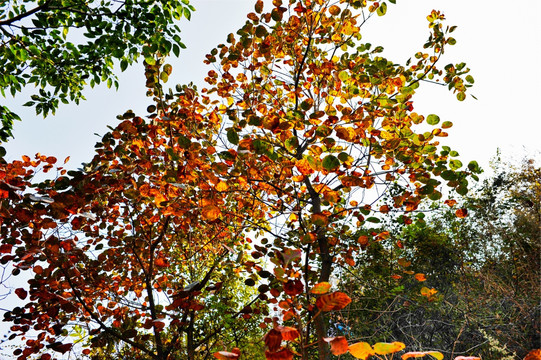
x,y
123,65
433,119
291,144
232,137
184,142
164,77
455,164
462,190
470,79
343,75
330,162
150,60
373,220
382,9
460,96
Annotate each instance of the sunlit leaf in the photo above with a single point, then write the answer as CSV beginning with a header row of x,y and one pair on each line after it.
x,y
333,301
437,355
361,350
382,9
321,288
283,354
533,355
288,333
211,212
388,348
461,213
420,277
433,119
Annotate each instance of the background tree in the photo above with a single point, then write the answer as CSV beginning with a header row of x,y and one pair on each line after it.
x,y
62,46
482,273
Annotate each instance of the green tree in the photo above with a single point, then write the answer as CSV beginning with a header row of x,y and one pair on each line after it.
x,y
61,46
482,273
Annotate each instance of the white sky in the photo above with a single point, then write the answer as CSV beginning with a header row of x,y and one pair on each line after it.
x,y
498,41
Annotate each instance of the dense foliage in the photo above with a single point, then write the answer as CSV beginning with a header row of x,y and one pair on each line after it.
x,y
482,273
244,218
61,46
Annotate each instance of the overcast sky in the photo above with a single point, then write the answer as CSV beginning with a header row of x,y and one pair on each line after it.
x,y
498,40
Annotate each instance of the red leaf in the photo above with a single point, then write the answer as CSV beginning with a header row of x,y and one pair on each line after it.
x,y
284,354
21,293
339,345
288,333
5,248
293,287
273,339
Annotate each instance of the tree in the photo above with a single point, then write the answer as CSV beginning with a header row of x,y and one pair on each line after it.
x,y
60,46
132,253
300,134
318,121
480,288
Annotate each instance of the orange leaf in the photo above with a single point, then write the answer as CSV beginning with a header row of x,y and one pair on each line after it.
x,y
288,333
461,213
533,355
321,288
420,277
210,212
339,344
333,301
361,350
320,219
467,358
221,186
450,203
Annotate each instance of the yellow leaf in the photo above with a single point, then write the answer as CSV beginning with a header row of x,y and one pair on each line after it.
x,y
361,350
388,348
221,186
321,288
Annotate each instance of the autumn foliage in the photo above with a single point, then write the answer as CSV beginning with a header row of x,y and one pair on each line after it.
x,y
274,175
